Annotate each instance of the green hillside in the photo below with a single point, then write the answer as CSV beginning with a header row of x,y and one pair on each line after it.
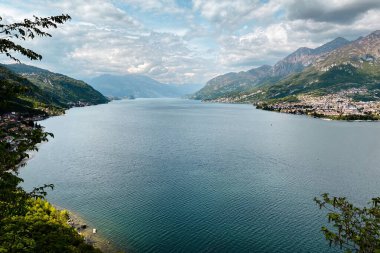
x,y
19,94
315,82
57,89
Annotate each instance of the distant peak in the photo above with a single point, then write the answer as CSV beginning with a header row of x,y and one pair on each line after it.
x,y
340,39
331,45
299,52
303,49
337,41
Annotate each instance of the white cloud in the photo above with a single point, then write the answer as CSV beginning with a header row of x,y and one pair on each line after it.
x,y
102,38
263,45
226,13
270,40
192,43
334,11
166,6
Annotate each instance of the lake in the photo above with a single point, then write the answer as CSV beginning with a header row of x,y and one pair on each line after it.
x,y
175,175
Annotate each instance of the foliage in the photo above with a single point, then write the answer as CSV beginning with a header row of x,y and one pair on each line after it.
x,y
354,229
27,222
43,228
13,85
57,89
16,139
24,30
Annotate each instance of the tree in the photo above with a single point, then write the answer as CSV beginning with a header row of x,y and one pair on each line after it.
x,y
27,222
27,29
353,229
24,135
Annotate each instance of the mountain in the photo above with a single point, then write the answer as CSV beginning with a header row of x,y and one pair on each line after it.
x,y
29,89
355,65
57,89
304,57
234,83
138,86
361,52
11,85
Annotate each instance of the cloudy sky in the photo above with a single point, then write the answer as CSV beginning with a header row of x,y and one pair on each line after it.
x,y
186,41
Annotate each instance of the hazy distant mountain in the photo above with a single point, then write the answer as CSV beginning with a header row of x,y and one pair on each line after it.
x,y
139,86
55,89
233,83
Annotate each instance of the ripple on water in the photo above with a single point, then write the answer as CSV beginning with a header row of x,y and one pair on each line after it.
x,y
182,176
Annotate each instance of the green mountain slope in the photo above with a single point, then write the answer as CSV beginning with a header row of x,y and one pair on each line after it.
x,y
356,65
317,83
19,94
57,89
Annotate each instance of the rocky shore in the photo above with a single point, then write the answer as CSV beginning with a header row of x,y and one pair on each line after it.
x,y
87,231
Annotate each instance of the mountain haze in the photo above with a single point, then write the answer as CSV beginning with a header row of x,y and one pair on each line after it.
x,y
233,83
139,86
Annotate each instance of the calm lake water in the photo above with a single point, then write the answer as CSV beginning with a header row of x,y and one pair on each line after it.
x,y
172,175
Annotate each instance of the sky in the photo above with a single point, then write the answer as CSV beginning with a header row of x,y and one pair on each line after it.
x,y
185,41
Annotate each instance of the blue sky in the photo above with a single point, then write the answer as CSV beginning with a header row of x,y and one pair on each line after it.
x,y
186,41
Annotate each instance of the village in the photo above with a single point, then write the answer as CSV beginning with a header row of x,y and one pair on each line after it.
x,y
332,105
14,125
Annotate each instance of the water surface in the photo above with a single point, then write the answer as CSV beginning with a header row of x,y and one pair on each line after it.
x,y
171,175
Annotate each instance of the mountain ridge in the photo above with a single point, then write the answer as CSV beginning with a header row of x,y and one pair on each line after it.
x,y
60,90
353,66
295,62
32,89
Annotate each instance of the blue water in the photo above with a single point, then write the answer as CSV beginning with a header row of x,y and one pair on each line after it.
x,y
171,175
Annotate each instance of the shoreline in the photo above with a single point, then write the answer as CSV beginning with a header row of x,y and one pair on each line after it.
x,y
85,229
75,220
319,116
324,116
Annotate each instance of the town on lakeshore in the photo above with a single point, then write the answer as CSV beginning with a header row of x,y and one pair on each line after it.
x,y
334,106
